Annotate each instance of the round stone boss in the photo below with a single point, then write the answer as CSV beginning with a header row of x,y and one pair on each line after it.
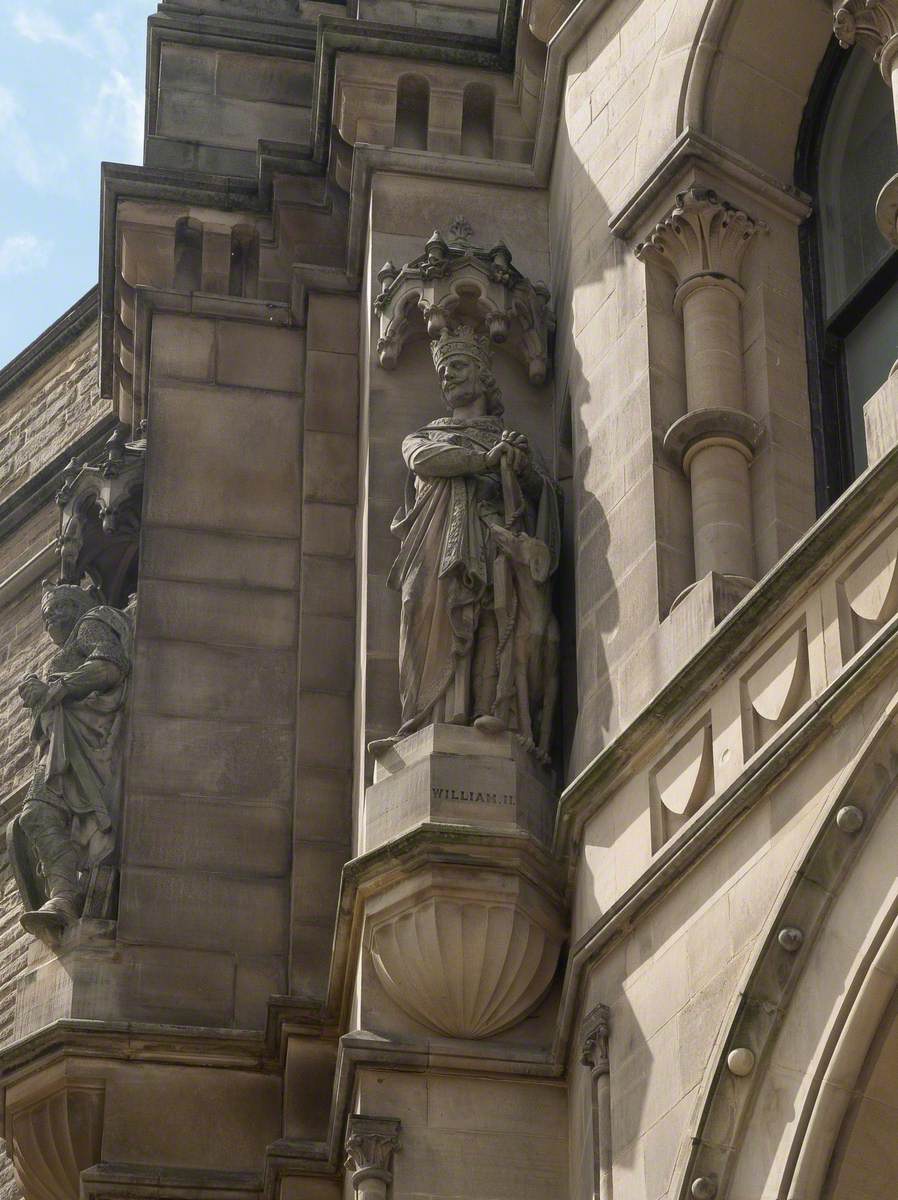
x,y
704,1188
850,819
790,938
741,1061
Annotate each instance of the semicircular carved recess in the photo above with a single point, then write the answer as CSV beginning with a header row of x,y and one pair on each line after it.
x,y
55,1139
683,781
710,1148
467,968
872,587
775,689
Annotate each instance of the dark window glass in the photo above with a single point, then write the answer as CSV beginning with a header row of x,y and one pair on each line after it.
x,y
848,152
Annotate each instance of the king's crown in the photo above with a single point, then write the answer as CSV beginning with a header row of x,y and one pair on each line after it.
x,y
461,341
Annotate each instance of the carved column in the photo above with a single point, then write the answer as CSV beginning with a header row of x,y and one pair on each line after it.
x,y
596,1029
702,243
370,1145
873,24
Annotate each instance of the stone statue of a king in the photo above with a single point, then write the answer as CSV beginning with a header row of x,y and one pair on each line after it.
x,y
68,823
480,534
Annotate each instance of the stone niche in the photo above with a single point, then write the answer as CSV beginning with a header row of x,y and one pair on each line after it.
x,y
460,913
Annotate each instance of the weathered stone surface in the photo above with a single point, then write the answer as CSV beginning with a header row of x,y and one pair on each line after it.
x,y
201,612
212,423
227,558
455,775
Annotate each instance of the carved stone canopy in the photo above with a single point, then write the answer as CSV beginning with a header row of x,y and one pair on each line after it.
x,y
100,503
455,281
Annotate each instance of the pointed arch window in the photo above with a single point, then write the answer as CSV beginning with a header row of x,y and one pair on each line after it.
x,y
847,151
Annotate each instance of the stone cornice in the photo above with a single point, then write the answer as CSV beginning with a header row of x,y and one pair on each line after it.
x,y
691,151
58,335
129,1041
117,1179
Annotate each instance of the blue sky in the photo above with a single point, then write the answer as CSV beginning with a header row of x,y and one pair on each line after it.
x,y
71,96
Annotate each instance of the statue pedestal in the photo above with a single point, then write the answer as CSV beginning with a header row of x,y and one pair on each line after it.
x,y
70,981
456,775
462,913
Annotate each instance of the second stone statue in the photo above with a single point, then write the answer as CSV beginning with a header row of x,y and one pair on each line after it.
x,y
481,535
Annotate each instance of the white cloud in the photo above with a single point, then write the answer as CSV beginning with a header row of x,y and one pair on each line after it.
x,y
36,26
9,107
117,114
23,252
18,151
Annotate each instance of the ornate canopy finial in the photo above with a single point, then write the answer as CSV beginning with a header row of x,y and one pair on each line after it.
x,y
461,230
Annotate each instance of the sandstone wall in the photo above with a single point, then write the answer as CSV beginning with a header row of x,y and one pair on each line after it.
x,y
620,351
40,417
50,409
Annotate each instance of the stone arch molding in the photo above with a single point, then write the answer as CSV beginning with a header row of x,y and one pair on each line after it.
x,y
805,1014
717,54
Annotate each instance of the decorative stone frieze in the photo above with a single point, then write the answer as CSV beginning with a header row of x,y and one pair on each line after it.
x,y
454,281
371,1143
702,243
776,687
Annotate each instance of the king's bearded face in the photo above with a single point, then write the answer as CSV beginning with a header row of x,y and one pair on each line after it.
x,y
60,619
459,376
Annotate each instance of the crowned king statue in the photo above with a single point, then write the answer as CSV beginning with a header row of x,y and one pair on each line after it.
x,y
480,535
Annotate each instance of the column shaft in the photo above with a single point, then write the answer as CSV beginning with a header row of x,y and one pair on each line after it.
x,y
712,329
721,511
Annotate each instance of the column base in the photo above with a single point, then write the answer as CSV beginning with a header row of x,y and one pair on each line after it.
x,y
723,592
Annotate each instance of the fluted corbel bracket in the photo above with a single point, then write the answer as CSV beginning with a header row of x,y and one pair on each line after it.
x,y
702,237
872,24
370,1145
595,1032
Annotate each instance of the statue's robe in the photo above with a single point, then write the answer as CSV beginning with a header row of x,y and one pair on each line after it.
x,y
78,761
446,566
